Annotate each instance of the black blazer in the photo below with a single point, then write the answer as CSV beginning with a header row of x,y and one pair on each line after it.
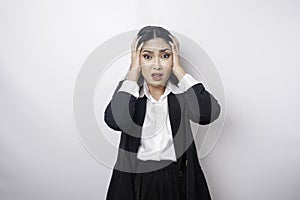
x,y
126,113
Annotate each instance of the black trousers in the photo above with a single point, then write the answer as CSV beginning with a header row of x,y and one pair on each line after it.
x,y
162,184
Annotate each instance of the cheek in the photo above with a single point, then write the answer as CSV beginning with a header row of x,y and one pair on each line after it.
x,y
168,63
168,70
145,71
144,63
142,60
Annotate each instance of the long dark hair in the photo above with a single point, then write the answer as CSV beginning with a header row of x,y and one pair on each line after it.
x,y
151,32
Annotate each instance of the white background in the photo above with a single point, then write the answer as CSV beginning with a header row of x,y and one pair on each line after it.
x,y
254,45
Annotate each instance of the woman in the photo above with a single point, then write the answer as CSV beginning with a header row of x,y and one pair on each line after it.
x,y
154,121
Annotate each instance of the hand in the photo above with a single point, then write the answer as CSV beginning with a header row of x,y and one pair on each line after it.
x,y
135,68
177,68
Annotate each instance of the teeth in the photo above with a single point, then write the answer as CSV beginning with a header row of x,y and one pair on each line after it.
x,y
156,75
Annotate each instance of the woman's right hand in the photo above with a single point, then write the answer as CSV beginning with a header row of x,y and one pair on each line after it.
x,y
135,68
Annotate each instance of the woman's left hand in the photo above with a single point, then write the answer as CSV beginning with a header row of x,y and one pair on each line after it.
x,y
177,68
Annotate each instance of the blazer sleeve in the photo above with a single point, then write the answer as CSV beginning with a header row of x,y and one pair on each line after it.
x,y
119,112
203,108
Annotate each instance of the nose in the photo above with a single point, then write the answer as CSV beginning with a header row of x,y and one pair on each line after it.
x,y
157,67
156,64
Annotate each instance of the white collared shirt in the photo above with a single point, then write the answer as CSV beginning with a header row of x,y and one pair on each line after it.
x,y
157,140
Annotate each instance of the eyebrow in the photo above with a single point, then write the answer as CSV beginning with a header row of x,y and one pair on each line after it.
x,y
145,50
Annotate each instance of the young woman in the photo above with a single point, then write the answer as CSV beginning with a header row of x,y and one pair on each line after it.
x,y
154,119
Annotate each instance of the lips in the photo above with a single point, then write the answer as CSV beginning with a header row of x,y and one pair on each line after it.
x,y
157,76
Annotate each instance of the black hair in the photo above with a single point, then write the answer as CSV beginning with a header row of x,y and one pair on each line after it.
x,y
151,32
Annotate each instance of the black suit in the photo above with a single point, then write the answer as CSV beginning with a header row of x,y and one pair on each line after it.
x,y
126,113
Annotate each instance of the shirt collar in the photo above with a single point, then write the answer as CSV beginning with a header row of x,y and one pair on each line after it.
x,y
170,88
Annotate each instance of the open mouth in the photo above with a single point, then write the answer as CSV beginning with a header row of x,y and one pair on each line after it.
x,y
157,76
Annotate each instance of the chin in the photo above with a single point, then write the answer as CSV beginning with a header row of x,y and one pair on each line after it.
x,y
157,83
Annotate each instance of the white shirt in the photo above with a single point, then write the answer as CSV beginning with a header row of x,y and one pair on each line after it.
x,y
157,140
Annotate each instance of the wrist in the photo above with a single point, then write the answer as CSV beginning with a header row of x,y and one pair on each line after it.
x,y
179,73
133,74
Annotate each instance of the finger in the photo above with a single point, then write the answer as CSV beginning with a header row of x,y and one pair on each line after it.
x,y
172,46
139,51
174,50
136,43
172,37
175,41
140,47
136,56
133,42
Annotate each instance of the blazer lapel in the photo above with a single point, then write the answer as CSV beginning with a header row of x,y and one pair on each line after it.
x,y
140,111
177,126
174,113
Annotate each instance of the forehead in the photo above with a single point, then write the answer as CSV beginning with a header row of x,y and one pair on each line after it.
x,y
156,44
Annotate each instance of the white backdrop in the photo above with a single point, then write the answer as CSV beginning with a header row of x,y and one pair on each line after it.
x,y
254,45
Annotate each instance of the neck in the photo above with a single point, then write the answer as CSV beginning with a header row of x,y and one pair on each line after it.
x,y
156,91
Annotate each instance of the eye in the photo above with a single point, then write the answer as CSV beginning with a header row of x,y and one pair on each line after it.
x,y
166,56
147,57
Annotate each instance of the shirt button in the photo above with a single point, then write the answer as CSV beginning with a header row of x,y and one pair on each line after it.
x,y
180,174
